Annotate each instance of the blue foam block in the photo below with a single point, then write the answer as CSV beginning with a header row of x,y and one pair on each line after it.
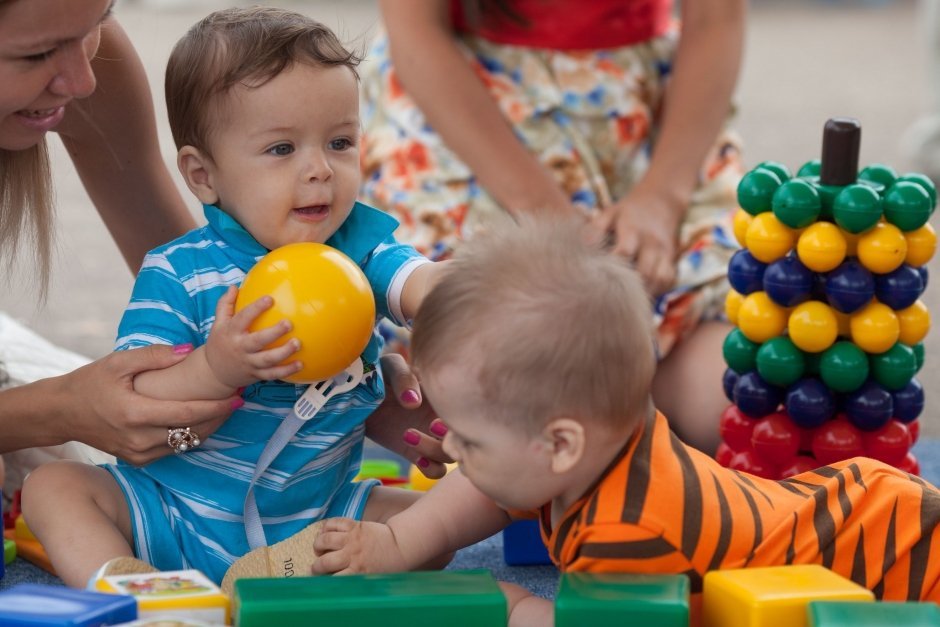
x,y
35,605
523,546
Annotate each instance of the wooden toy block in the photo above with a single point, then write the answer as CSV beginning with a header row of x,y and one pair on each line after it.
x,y
852,614
522,544
468,598
53,606
9,551
30,550
772,597
615,599
183,594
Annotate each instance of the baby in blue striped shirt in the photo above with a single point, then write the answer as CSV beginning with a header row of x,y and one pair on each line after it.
x,y
263,105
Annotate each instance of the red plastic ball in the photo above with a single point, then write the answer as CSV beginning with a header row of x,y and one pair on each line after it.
x,y
775,438
723,454
750,462
914,429
910,464
889,444
835,441
797,466
736,428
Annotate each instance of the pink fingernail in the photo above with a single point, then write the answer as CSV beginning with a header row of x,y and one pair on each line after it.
x,y
423,462
182,349
237,402
410,396
411,438
439,429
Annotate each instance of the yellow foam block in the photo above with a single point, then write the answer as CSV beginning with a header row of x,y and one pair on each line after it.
x,y
21,530
772,597
30,550
184,594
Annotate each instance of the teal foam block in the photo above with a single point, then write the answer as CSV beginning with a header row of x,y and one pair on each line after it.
x,y
616,599
469,598
854,614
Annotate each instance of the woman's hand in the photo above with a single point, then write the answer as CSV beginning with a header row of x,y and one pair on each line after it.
x,y
96,404
404,425
643,228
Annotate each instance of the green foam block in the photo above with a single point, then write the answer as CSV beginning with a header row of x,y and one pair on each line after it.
x,y
609,599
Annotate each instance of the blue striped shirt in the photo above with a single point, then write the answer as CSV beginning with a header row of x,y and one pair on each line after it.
x,y
186,510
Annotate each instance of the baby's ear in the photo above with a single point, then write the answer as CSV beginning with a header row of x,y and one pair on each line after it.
x,y
196,168
567,439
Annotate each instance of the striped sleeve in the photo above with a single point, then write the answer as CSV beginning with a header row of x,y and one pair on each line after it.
x,y
387,270
624,548
160,309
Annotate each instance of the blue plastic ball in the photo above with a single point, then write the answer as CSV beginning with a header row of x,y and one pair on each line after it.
x,y
900,288
850,286
728,381
745,272
870,407
788,282
908,401
924,275
755,397
810,403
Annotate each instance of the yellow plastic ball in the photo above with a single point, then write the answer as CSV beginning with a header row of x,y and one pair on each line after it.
x,y
914,322
760,318
821,247
767,238
842,320
875,327
882,249
326,297
813,326
742,220
921,245
851,242
733,302
417,480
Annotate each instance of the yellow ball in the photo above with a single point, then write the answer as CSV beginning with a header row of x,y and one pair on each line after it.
x,y
882,249
326,297
842,320
821,247
813,326
767,238
921,245
851,242
760,318
417,480
742,220
914,322
732,304
875,327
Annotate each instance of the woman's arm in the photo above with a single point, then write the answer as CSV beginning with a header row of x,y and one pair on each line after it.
x,y
455,102
645,223
97,405
112,139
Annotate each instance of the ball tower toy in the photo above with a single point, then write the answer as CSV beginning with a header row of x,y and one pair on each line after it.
x,y
826,299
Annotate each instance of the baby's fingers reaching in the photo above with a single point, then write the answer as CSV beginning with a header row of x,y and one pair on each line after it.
x,y
246,316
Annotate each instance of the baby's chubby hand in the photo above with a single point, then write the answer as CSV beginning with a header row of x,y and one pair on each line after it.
x,y
345,547
238,356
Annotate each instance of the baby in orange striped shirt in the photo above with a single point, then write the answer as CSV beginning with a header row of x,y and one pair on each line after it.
x,y
536,351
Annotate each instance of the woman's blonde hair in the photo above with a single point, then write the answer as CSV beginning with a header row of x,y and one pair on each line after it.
x,y
543,325
26,209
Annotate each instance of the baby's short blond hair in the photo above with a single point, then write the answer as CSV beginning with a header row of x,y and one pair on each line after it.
x,y
545,325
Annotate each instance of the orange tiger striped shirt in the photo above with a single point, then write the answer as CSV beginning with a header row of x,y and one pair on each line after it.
x,y
663,507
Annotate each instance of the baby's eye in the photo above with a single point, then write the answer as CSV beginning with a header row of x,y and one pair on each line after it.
x,y
42,56
281,150
341,144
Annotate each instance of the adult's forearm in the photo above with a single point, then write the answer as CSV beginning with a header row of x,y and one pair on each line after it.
x,y
698,98
31,415
458,106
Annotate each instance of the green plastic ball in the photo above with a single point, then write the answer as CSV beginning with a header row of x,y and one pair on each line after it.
x,y
756,190
779,361
739,352
857,208
781,170
924,181
919,354
907,205
843,367
796,203
810,168
895,367
879,173
811,362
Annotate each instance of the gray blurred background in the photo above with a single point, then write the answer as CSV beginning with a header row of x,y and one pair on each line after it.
x,y
805,61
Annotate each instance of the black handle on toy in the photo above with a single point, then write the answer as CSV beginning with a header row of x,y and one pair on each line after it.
x,y
842,138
